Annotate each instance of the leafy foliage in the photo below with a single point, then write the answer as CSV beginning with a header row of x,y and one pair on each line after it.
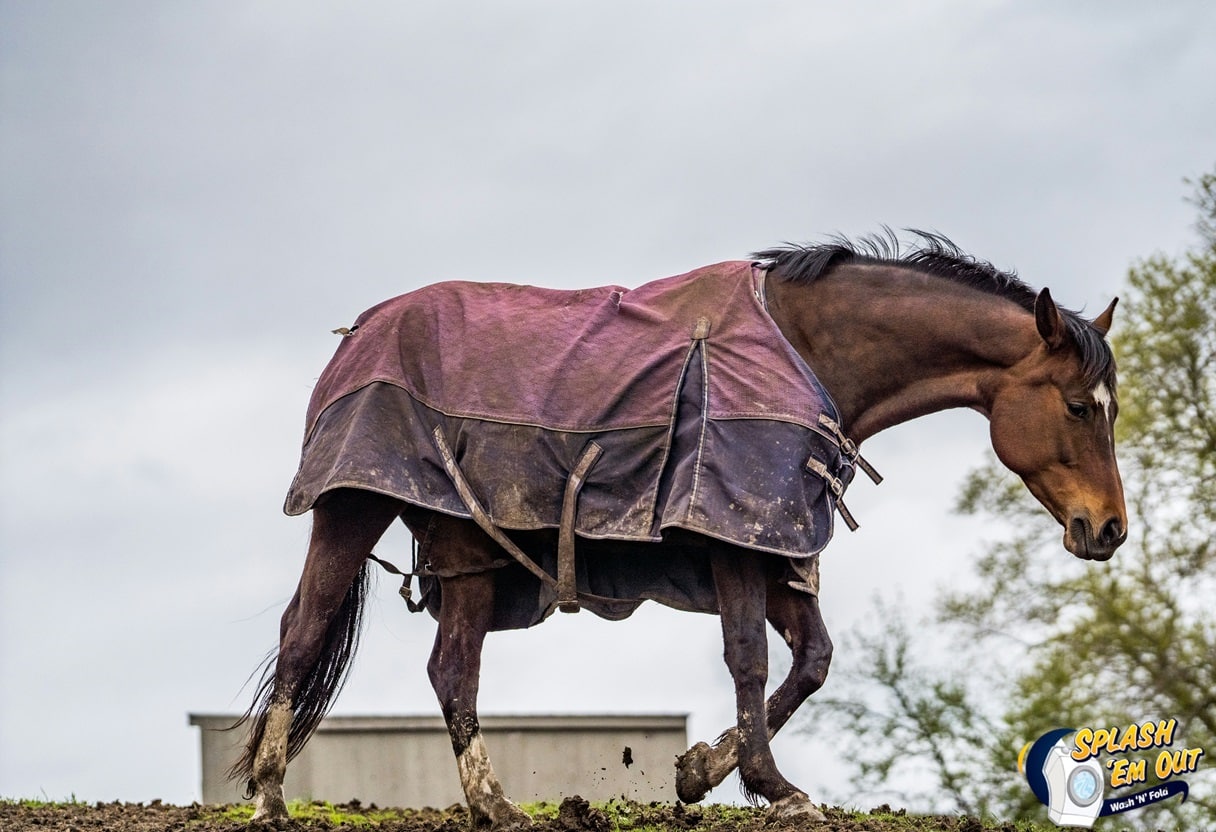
x,y
897,703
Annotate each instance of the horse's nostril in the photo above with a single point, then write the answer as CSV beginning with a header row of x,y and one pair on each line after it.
x,y
1112,531
1079,529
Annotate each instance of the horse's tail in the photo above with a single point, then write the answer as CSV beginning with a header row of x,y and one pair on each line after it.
x,y
318,689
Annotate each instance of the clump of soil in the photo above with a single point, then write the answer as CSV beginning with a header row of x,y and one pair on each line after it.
x,y
574,814
577,815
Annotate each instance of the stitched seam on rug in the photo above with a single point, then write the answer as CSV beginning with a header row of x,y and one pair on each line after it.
x,y
696,479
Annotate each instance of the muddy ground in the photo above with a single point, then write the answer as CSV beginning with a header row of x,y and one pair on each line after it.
x,y
573,815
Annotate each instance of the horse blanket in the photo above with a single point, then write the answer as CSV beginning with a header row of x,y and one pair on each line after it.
x,y
707,418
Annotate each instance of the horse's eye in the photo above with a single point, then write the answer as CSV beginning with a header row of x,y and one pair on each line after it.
x,y
1078,410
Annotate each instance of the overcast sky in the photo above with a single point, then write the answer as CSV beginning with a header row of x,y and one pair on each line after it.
x,y
192,195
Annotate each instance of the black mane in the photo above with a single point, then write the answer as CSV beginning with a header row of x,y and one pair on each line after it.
x,y
936,255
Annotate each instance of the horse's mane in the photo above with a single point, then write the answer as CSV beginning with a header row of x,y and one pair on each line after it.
x,y
936,255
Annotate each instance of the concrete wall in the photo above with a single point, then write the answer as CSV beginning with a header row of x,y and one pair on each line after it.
x,y
407,761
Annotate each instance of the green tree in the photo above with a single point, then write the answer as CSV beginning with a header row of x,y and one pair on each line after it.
x,y
1099,644
908,728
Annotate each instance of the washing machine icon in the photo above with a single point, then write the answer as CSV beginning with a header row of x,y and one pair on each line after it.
x,y
1074,789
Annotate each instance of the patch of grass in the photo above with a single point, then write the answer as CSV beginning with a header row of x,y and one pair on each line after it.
x,y
347,814
540,810
344,814
236,813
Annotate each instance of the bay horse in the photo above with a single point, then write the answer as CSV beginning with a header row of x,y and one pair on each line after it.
x,y
625,497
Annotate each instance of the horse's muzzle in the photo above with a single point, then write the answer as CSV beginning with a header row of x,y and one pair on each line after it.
x,y
1080,539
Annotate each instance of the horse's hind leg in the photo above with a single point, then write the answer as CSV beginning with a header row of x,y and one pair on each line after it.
x,y
318,634
797,617
466,608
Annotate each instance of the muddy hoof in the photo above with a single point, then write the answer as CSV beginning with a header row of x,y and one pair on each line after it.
x,y
692,779
514,820
505,817
269,808
796,805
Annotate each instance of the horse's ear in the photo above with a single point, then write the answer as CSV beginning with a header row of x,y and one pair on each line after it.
x,y
1048,319
1103,321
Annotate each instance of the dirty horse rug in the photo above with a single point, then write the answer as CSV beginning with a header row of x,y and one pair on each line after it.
x,y
608,414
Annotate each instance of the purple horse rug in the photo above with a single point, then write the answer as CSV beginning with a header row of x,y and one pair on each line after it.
x,y
620,413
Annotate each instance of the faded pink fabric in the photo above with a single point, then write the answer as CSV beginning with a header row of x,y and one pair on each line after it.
x,y
585,360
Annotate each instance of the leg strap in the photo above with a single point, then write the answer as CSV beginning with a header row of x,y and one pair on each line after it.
x,y
565,585
406,578
480,516
567,593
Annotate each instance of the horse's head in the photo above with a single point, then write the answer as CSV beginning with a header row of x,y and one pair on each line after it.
x,y
1052,421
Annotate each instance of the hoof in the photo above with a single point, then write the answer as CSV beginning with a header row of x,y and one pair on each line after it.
x,y
692,778
503,816
512,819
796,805
269,807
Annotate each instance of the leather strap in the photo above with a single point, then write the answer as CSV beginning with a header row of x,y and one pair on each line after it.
x,y
567,592
834,483
406,578
480,516
849,448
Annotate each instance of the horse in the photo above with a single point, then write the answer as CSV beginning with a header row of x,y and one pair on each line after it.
x,y
535,472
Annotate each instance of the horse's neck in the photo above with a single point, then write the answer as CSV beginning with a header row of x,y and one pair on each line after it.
x,y
890,344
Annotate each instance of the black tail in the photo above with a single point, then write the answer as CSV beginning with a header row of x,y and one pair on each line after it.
x,y
319,687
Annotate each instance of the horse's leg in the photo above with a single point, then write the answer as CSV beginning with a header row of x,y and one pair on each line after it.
x,y
741,582
466,607
317,637
796,616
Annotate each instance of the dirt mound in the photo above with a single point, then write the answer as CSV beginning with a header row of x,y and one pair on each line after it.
x,y
574,814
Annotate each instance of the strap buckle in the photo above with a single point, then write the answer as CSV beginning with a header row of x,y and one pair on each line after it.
x,y
836,485
849,448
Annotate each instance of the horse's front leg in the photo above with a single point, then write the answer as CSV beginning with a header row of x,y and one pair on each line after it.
x,y
466,607
796,616
741,580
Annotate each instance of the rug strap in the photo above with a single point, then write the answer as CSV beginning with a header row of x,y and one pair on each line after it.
x,y
406,578
480,516
849,448
567,591
837,487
